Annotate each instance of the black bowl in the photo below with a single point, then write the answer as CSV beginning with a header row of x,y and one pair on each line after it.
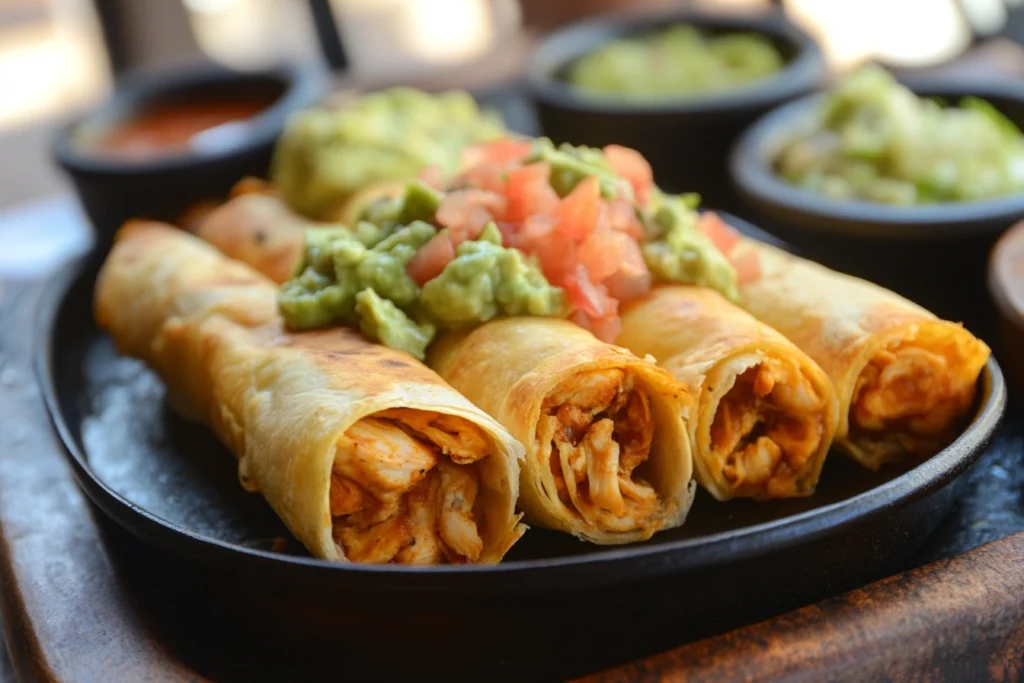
x,y
934,254
113,190
686,139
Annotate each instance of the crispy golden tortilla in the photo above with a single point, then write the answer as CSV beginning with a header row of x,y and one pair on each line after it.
x,y
766,413
904,378
608,454
365,453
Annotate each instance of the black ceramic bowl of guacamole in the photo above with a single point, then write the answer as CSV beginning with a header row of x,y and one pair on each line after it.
x,y
933,253
686,137
166,140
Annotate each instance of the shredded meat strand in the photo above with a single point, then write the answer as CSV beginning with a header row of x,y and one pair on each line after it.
x,y
596,431
403,489
766,428
910,388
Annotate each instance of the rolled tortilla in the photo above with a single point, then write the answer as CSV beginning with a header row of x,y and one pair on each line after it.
x,y
766,413
904,378
525,372
366,454
256,227
608,455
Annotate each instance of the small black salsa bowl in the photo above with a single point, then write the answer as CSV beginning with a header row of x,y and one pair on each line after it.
x,y
934,254
685,138
114,189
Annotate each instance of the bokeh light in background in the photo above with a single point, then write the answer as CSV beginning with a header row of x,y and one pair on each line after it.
x,y
252,33
904,32
52,58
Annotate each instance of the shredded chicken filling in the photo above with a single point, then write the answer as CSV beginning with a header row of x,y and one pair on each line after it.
x,y
403,489
766,428
912,394
595,431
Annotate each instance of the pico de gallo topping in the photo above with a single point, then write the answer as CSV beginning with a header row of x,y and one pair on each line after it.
x,y
524,228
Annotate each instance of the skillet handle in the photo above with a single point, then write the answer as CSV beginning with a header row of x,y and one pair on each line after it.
x,y
954,620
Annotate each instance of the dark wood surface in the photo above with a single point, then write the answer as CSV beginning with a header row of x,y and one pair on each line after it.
x,y
65,614
960,619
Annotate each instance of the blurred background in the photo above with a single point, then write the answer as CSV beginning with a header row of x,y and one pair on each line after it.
x,y
59,56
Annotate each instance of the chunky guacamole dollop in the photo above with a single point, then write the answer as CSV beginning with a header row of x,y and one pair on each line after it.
x,y
531,230
676,251
358,277
877,141
326,156
674,62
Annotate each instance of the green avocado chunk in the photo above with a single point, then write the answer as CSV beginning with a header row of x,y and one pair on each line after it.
x,y
347,279
381,320
676,251
571,164
486,280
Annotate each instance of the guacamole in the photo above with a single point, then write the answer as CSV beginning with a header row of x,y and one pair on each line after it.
x,y
572,163
358,277
486,280
674,62
676,251
325,156
877,141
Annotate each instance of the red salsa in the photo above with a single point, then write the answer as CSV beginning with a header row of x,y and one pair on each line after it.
x,y
174,126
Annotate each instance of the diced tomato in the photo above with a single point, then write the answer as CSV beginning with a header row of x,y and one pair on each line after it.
x,y
467,212
509,233
748,267
577,213
626,286
631,165
433,175
555,257
632,279
491,177
431,258
602,253
502,151
622,217
529,192
718,231
536,229
585,295
606,328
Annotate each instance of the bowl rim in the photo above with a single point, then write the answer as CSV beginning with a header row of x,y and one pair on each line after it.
x,y
303,85
801,73
518,576
750,171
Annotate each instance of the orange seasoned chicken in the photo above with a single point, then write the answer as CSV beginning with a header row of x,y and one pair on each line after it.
x,y
406,489
596,432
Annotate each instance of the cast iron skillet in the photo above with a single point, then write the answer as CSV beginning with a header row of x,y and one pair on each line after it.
x,y
197,548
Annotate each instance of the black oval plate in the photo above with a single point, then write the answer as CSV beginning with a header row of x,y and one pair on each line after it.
x,y
555,606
